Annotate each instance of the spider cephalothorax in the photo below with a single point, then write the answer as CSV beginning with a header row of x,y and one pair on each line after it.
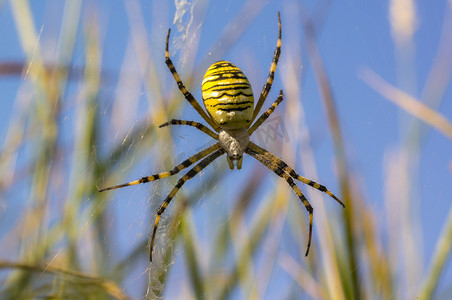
x,y
229,101
234,142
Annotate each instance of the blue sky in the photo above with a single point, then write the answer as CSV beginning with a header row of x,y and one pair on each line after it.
x,y
352,36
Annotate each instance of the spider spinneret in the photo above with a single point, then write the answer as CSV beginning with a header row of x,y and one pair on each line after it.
x,y
229,102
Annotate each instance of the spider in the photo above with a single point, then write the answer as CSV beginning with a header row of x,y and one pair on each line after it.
x,y
229,101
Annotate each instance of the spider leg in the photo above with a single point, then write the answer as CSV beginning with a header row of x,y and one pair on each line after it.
x,y
266,114
271,74
185,164
183,90
273,165
190,174
199,126
292,173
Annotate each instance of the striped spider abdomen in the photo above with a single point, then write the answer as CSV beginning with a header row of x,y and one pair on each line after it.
x,y
227,96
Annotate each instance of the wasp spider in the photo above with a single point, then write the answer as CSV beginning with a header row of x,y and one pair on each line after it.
x,y
229,101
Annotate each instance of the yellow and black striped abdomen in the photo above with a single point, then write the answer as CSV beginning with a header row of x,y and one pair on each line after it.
x,y
228,96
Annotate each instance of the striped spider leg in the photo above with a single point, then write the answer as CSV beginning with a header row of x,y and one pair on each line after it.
x,y
185,164
271,74
208,155
283,170
190,174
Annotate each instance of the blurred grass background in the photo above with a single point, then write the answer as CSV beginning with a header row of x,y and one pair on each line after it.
x,y
76,124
